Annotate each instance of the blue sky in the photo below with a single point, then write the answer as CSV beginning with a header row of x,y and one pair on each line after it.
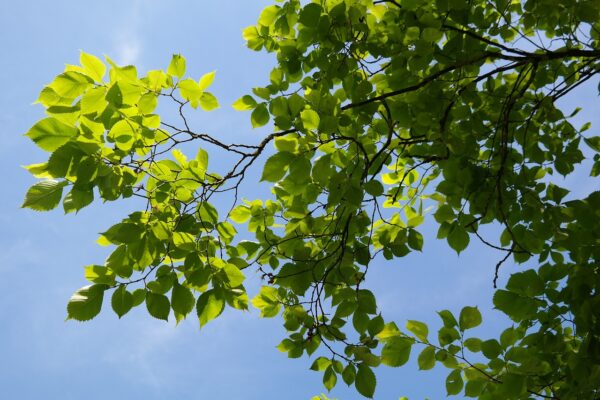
x,y
42,254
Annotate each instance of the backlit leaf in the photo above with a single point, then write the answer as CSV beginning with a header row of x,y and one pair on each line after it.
x,y
206,80
176,66
396,351
93,66
209,306
49,133
44,196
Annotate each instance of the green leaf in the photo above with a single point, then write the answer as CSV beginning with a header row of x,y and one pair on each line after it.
x,y
376,325
182,301
516,306
226,231
389,330
176,66
396,351
148,103
92,66
234,275
374,188
260,116
526,283
470,317
267,301
491,348
158,305
268,15
124,134
208,101
244,103
474,388
458,238
240,214
329,378
286,143
426,359
349,374
86,303
184,241
309,16
473,344
138,297
447,335
209,306
276,166
199,166
419,329
49,133
94,101
310,119
99,274
320,364
208,213
445,213
365,381
44,196
121,301
71,84
448,318
190,90
593,142
513,385
206,80
454,382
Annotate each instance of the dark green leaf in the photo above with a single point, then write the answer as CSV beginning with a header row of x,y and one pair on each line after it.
x,y
260,116
158,305
458,238
209,306
365,381
121,301
86,303
182,301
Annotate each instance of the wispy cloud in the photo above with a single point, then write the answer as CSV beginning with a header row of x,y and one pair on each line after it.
x,y
127,41
128,50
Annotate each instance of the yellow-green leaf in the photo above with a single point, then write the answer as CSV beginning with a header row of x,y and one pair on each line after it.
x,y
49,133
206,80
92,66
44,196
177,66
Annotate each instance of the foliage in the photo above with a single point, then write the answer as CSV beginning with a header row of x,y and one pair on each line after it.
x,y
382,110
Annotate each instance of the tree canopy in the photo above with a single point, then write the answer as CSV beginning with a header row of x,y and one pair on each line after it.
x,y
383,114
